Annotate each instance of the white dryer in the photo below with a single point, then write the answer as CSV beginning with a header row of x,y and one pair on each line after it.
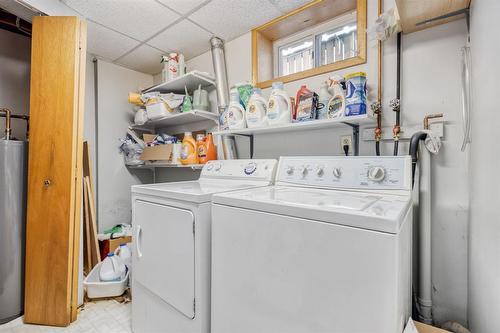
x,y
171,245
327,249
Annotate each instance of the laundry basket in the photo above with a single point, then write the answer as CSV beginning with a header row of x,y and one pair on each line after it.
x,y
98,289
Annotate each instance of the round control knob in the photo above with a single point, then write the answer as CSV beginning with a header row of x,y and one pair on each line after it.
x,y
337,173
376,173
289,170
250,168
217,166
303,170
320,171
210,167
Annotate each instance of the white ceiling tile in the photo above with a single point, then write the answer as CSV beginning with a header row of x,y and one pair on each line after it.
x,y
286,6
107,43
182,6
144,59
138,19
184,37
229,19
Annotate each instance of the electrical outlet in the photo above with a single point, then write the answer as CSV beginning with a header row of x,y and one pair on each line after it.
x,y
346,140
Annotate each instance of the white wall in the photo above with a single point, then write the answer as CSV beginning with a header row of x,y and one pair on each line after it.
x,y
484,270
15,59
430,83
114,116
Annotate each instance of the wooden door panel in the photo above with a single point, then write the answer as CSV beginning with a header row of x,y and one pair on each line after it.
x,y
54,171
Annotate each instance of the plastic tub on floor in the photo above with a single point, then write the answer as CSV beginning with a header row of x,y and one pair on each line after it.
x,y
98,289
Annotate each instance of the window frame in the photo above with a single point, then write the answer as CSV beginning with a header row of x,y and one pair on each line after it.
x,y
263,55
313,33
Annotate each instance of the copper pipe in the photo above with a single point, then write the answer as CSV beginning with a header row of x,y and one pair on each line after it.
x,y
431,116
7,114
4,112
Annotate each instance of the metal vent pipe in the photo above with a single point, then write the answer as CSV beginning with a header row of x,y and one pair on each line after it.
x,y
219,62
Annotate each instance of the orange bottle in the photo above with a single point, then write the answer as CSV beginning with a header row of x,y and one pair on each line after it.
x,y
200,148
188,151
207,150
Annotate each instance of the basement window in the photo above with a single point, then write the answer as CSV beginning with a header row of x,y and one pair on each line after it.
x,y
324,44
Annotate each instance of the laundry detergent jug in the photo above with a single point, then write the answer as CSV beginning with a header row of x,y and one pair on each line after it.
x,y
206,149
255,114
112,268
188,151
235,112
123,252
279,106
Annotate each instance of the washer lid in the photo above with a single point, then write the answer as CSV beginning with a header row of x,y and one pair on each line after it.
x,y
194,191
379,212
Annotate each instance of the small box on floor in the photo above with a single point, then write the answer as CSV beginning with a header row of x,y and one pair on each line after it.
x,y
110,245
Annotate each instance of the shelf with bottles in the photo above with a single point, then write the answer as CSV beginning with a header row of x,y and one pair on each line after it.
x,y
190,81
178,119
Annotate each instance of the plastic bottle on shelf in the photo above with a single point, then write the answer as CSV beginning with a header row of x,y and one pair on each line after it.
x,y
324,98
188,151
235,112
336,104
112,268
279,106
200,147
255,114
207,150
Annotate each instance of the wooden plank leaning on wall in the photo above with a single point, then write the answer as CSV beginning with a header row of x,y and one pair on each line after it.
x,y
55,170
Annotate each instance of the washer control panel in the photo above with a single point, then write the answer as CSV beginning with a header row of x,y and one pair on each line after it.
x,y
237,169
358,172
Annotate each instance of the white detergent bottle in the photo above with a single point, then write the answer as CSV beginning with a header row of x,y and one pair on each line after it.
x,y
123,252
112,268
279,106
235,112
336,104
256,110
324,97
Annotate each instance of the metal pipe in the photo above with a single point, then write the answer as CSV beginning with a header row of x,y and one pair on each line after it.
x,y
219,63
7,114
377,106
396,103
431,116
4,112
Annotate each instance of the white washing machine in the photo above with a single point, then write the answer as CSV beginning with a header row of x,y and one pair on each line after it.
x,y
327,249
171,245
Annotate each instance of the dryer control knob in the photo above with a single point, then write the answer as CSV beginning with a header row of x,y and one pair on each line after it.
x,y
320,171
376,173
289,170
337,172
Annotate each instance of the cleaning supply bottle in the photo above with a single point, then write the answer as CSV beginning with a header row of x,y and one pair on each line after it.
x,y
188,152
236,112
123,252
336,104
112,268
305,104
255,114
207,150
279,106
324,98
200,147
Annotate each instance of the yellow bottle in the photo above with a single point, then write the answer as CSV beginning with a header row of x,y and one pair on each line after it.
x,y
189,155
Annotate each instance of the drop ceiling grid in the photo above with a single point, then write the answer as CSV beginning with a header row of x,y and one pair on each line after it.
x,y
134,33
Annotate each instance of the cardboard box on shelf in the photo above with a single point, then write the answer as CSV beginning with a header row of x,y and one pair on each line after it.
x,y
148,137
157,153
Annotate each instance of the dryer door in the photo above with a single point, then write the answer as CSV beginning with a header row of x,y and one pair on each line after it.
x,y
163,259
